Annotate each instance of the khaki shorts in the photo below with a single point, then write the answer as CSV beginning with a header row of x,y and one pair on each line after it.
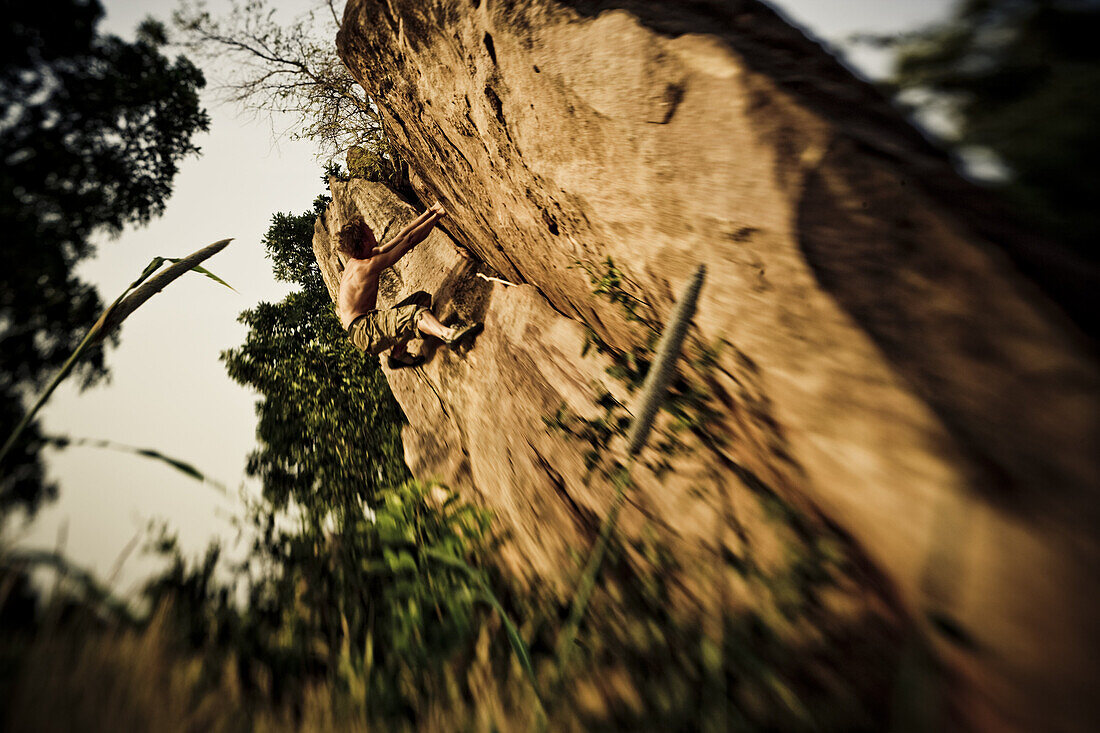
x,y
383,329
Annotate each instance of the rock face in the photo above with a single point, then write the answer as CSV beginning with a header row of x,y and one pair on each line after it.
x,y
866,348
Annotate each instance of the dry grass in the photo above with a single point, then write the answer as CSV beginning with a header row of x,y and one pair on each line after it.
x,y
81,679
118,681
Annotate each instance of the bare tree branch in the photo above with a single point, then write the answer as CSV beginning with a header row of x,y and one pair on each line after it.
x,y
287,69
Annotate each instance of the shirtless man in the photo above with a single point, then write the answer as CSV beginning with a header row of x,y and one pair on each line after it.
x,y
372,330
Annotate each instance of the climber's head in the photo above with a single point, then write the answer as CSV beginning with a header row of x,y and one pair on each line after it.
x,y
356,240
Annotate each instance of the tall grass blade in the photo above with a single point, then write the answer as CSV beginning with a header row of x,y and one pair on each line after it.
x,y
664,362
146,286
64,441
588,576
141,290
653,395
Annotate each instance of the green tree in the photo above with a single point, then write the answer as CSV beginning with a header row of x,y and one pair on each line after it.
x,y
329,429
93,131
1019,78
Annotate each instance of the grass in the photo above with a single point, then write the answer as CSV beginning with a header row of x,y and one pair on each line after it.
x,y
652,397
65,441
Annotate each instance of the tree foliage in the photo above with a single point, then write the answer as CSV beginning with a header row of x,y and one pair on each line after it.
x,y
329,428
1019,78
93,131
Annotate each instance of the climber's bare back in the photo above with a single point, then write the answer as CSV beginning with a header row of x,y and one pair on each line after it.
x,y
358,290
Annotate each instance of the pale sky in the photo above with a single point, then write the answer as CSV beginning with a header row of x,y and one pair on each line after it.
x,y
168,390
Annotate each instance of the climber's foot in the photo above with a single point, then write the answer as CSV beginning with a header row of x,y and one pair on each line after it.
x,y
463,333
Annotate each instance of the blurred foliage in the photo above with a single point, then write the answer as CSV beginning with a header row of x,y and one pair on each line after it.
x,y
358,627
361,605
93,131
384,606
62,442
1019,78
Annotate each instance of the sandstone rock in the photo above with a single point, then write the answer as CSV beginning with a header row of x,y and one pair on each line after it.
x,y
881,362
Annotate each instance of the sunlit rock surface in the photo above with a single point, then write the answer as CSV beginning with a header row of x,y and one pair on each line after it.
x,y
880,364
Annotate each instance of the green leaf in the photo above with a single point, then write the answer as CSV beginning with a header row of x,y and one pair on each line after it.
x,y
203,271
64,441
179,465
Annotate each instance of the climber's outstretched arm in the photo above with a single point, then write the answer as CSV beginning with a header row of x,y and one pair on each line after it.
x,y
431,216
400,245
419,233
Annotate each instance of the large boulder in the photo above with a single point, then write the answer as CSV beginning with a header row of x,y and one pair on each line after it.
x,y
867,349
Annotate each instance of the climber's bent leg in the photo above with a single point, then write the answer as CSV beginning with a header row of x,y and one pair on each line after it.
x,y
392,328
399,324
429,325
402,323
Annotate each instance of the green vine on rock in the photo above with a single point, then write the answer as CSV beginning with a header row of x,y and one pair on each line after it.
x,y
689,402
